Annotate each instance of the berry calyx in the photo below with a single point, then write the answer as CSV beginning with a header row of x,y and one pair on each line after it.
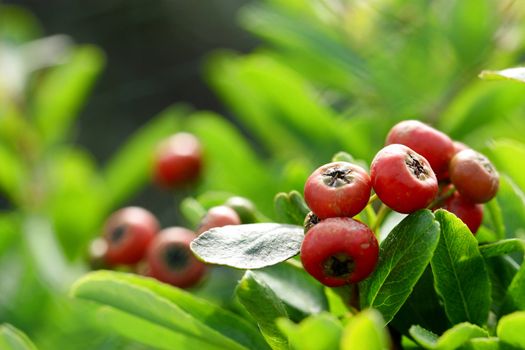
x,y
430,143
337,189
339,251
310,221
474,176
170,259
403,179
178,161
217,217
127,234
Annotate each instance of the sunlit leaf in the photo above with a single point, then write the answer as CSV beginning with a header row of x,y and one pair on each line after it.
x,y
455,260
13,339
264,306
250,246
515,74
403,257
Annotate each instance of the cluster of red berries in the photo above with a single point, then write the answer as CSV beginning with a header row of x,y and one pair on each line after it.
x,y
420,167
132,236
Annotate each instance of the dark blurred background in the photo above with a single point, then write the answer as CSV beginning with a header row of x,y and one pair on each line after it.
x,y
154,57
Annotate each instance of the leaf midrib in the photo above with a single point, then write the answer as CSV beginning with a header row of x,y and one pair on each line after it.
x,y
463,300
396,263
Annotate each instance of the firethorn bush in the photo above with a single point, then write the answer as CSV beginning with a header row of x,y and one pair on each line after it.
x,y
368,193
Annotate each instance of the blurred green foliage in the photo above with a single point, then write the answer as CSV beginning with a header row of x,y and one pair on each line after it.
x,y
329,76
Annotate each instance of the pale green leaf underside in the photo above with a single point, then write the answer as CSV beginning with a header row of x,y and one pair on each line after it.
x,y
251,246
515,74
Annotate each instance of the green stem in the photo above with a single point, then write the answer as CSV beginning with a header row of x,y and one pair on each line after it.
x,y
381,215
440,199
372,199
370,213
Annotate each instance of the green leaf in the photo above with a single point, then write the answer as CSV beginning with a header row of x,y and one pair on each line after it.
x,y
493,209
142,302
290,208
338,300
245,208
471,26
250,246
515,298
452,339
309,40
409,344
455,261
76,213
64,90
13,174
477,107
192,211
18,24
482,344
343,157
503,153
502,270
366,330
422,308
424,337
221,320
13,339
294,287
511,200
130,168
230,164
9,231
264,306
510,329
253,86
502,247
514,74
145,332
317,332
403,257
298,204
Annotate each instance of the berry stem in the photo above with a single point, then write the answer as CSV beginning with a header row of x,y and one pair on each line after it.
x,y
354,297
372,199
370,214
440,199
381,215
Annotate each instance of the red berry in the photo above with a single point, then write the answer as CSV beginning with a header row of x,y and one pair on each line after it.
x,y
474,176
217,217
470,213
170,259
128,233
403,179
458,147
178,160
337,189
432,144
338,251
